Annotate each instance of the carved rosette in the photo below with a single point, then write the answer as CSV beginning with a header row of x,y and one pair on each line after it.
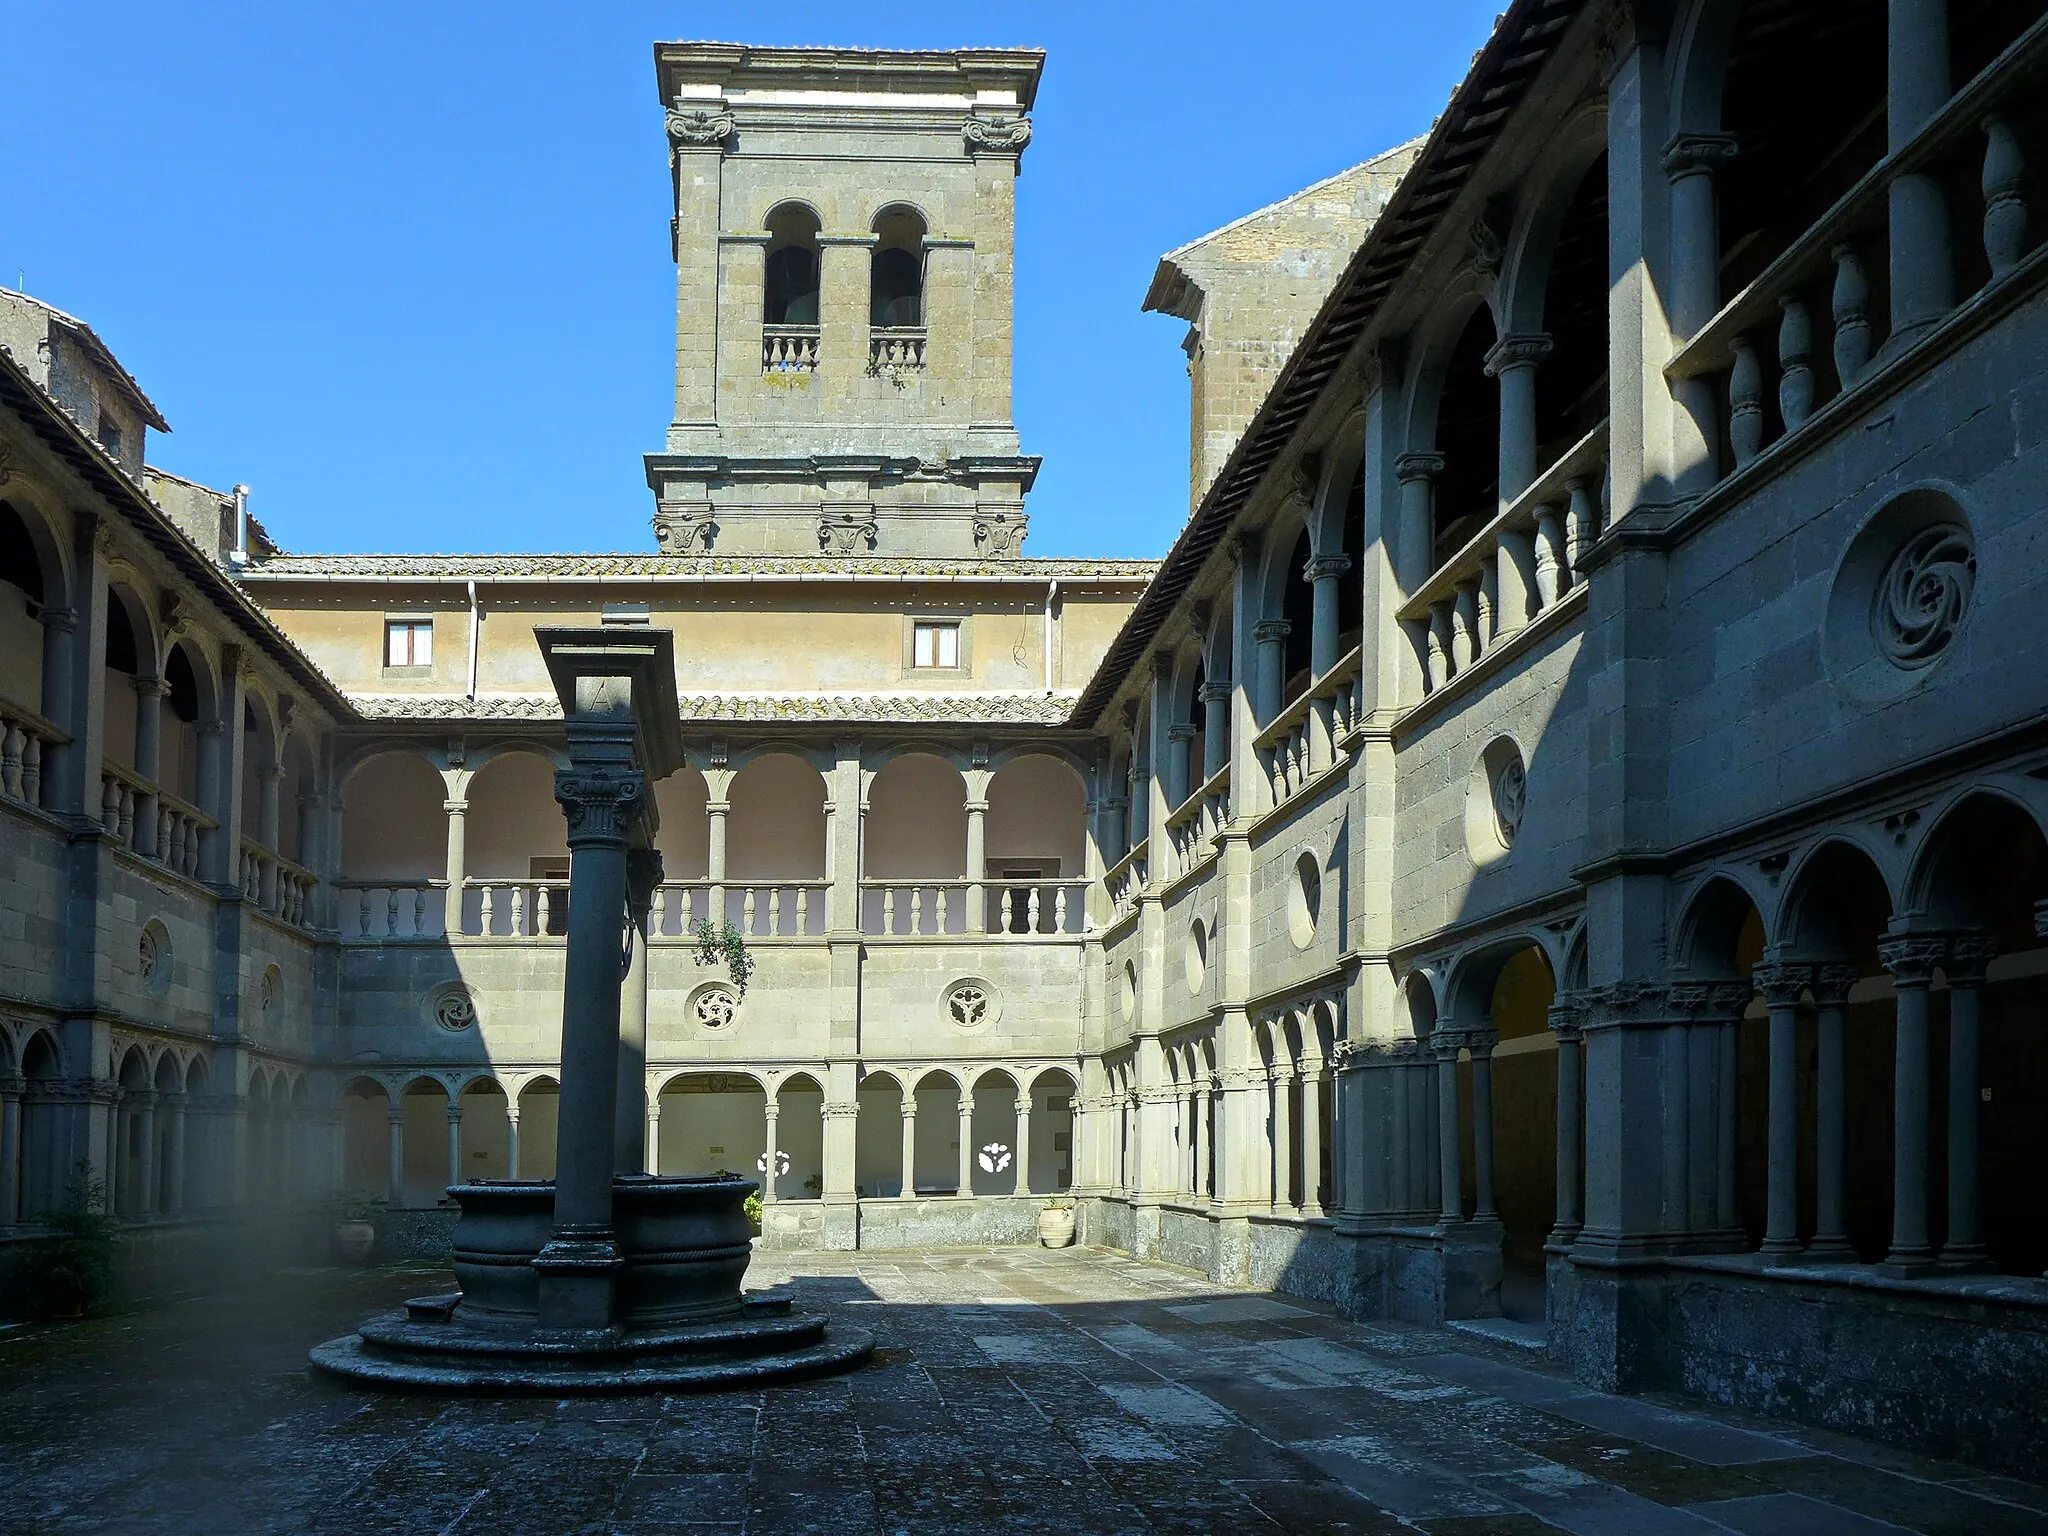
x,y
847,533
699,128
601,805
996,135
1000,535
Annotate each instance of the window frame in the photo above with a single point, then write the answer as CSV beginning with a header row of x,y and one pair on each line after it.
x,y
411,624
914,623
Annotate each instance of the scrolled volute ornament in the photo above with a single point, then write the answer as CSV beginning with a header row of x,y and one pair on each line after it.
x,y
600,805
996,135
699,127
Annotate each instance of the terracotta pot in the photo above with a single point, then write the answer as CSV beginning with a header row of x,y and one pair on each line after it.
x,y
1056,1227
355,1241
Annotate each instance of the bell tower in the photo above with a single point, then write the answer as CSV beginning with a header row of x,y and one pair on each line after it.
x,y
844,239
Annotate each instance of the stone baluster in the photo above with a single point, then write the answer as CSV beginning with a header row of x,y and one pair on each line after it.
x,y
1581,522
1795,362
1031,913
747,910
1831,985
1059,910
391,912
889,909
1466,642
1968,956
1553,576
2005,207
1911,959
487,901
1782,986
1851,302
1746,403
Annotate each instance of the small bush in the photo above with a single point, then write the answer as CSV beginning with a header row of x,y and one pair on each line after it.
x,y
72,1270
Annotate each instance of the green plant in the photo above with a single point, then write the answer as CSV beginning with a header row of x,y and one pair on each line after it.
x,y
72,1270
1057,1203
754,1211
724,942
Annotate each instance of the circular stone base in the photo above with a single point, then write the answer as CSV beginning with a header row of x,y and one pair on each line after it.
x,y
565,1374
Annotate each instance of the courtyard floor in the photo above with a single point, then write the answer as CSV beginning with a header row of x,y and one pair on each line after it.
x,y
1013,1389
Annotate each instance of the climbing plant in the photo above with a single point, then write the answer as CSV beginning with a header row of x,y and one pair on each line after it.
x,y
723,942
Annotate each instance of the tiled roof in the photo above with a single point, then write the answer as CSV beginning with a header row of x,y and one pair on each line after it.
x,y
783,708
686,567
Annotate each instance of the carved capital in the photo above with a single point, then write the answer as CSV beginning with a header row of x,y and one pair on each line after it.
x,y
601,804
1184,731
699,128
1271,631
1516,352
1000,535
1326,568
1216,691
1968,955
1303,479
684,532
996,135
1692,154
64,620
1912,960
847,533
1781,985
1831,984
1487,247
1418,466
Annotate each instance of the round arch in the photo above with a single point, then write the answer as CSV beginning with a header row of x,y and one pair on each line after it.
x,y
1720,930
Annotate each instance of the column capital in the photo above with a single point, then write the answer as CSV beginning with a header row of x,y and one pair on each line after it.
x,y
395,1115
512,1112
772,1110
601,804
1968,956
1524,351
1326,567
63,619
1831,984
1215,691
1781,984
1912,958
1708,1002
454,1114
699,128
151,687
1270,630
1423,466
1183,730
1694,154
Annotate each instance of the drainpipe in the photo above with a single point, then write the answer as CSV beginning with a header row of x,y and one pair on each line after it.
x,y
239,555
1052,590
475,619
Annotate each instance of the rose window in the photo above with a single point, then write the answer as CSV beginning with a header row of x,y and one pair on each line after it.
x,y
968,1004
455,1009
716,1007
1919,604
1510,795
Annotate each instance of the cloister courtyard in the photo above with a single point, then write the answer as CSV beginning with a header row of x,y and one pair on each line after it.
x,y
1012,1389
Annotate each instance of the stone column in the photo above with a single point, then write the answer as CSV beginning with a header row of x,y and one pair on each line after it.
x,y
1782,986
149,716
174,1157
1728,1108
1415,543
455,1143
1831,985
1916,88
604,800
1023,1162
268,776
1911,960
60,643
1968,955
511,1136
1571,1209
1271,635
909,1113
966,1176
1482,1125
976,918
10,1150
1215,727
1513,361
714,868
1450,1172
1690,163
654,1133
629,1114
771,1113
457,865
145,1167
1283,1134
395,1119
841,1119
1325,575
1180,739
1312,1136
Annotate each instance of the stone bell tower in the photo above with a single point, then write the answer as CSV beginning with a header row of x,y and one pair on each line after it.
x,y
844,240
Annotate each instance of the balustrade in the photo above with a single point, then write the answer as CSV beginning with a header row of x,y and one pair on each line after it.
x,y
1516,569
275,884
24,737
402,910
789,349
1011,909
1040,908
784,909
1125,879
1806,331
149,822
1192,827
1306,736
517,909
900,347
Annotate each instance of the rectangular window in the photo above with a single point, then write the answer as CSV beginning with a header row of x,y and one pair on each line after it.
x,y
935,644
408,642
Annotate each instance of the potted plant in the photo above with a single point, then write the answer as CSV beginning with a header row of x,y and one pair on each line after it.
x,y
355,1228
1056,1223
72,1269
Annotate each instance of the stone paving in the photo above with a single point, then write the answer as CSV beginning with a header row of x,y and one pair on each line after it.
x,y
1014,1389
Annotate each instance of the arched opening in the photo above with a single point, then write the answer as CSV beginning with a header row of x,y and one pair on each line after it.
x,y
123,665
45,1141
394,844
1467,491
995,1148
878,1137
1298,608
1984,877
790,287
684,838
365,1139
896,297
133,1154
915,848
1035,847
166,1192
1571,383
1524,1067
539,1115
1351,587
262,770
517,853
775,847
203,1161
712,1122
485,1144
936,1160
1051,1141
22,597
178,747
425,1107
800,1138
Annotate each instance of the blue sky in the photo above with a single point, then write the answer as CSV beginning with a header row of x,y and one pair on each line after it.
x,y
404,268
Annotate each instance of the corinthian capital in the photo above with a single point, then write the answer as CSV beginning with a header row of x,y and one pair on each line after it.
x,y
601,804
